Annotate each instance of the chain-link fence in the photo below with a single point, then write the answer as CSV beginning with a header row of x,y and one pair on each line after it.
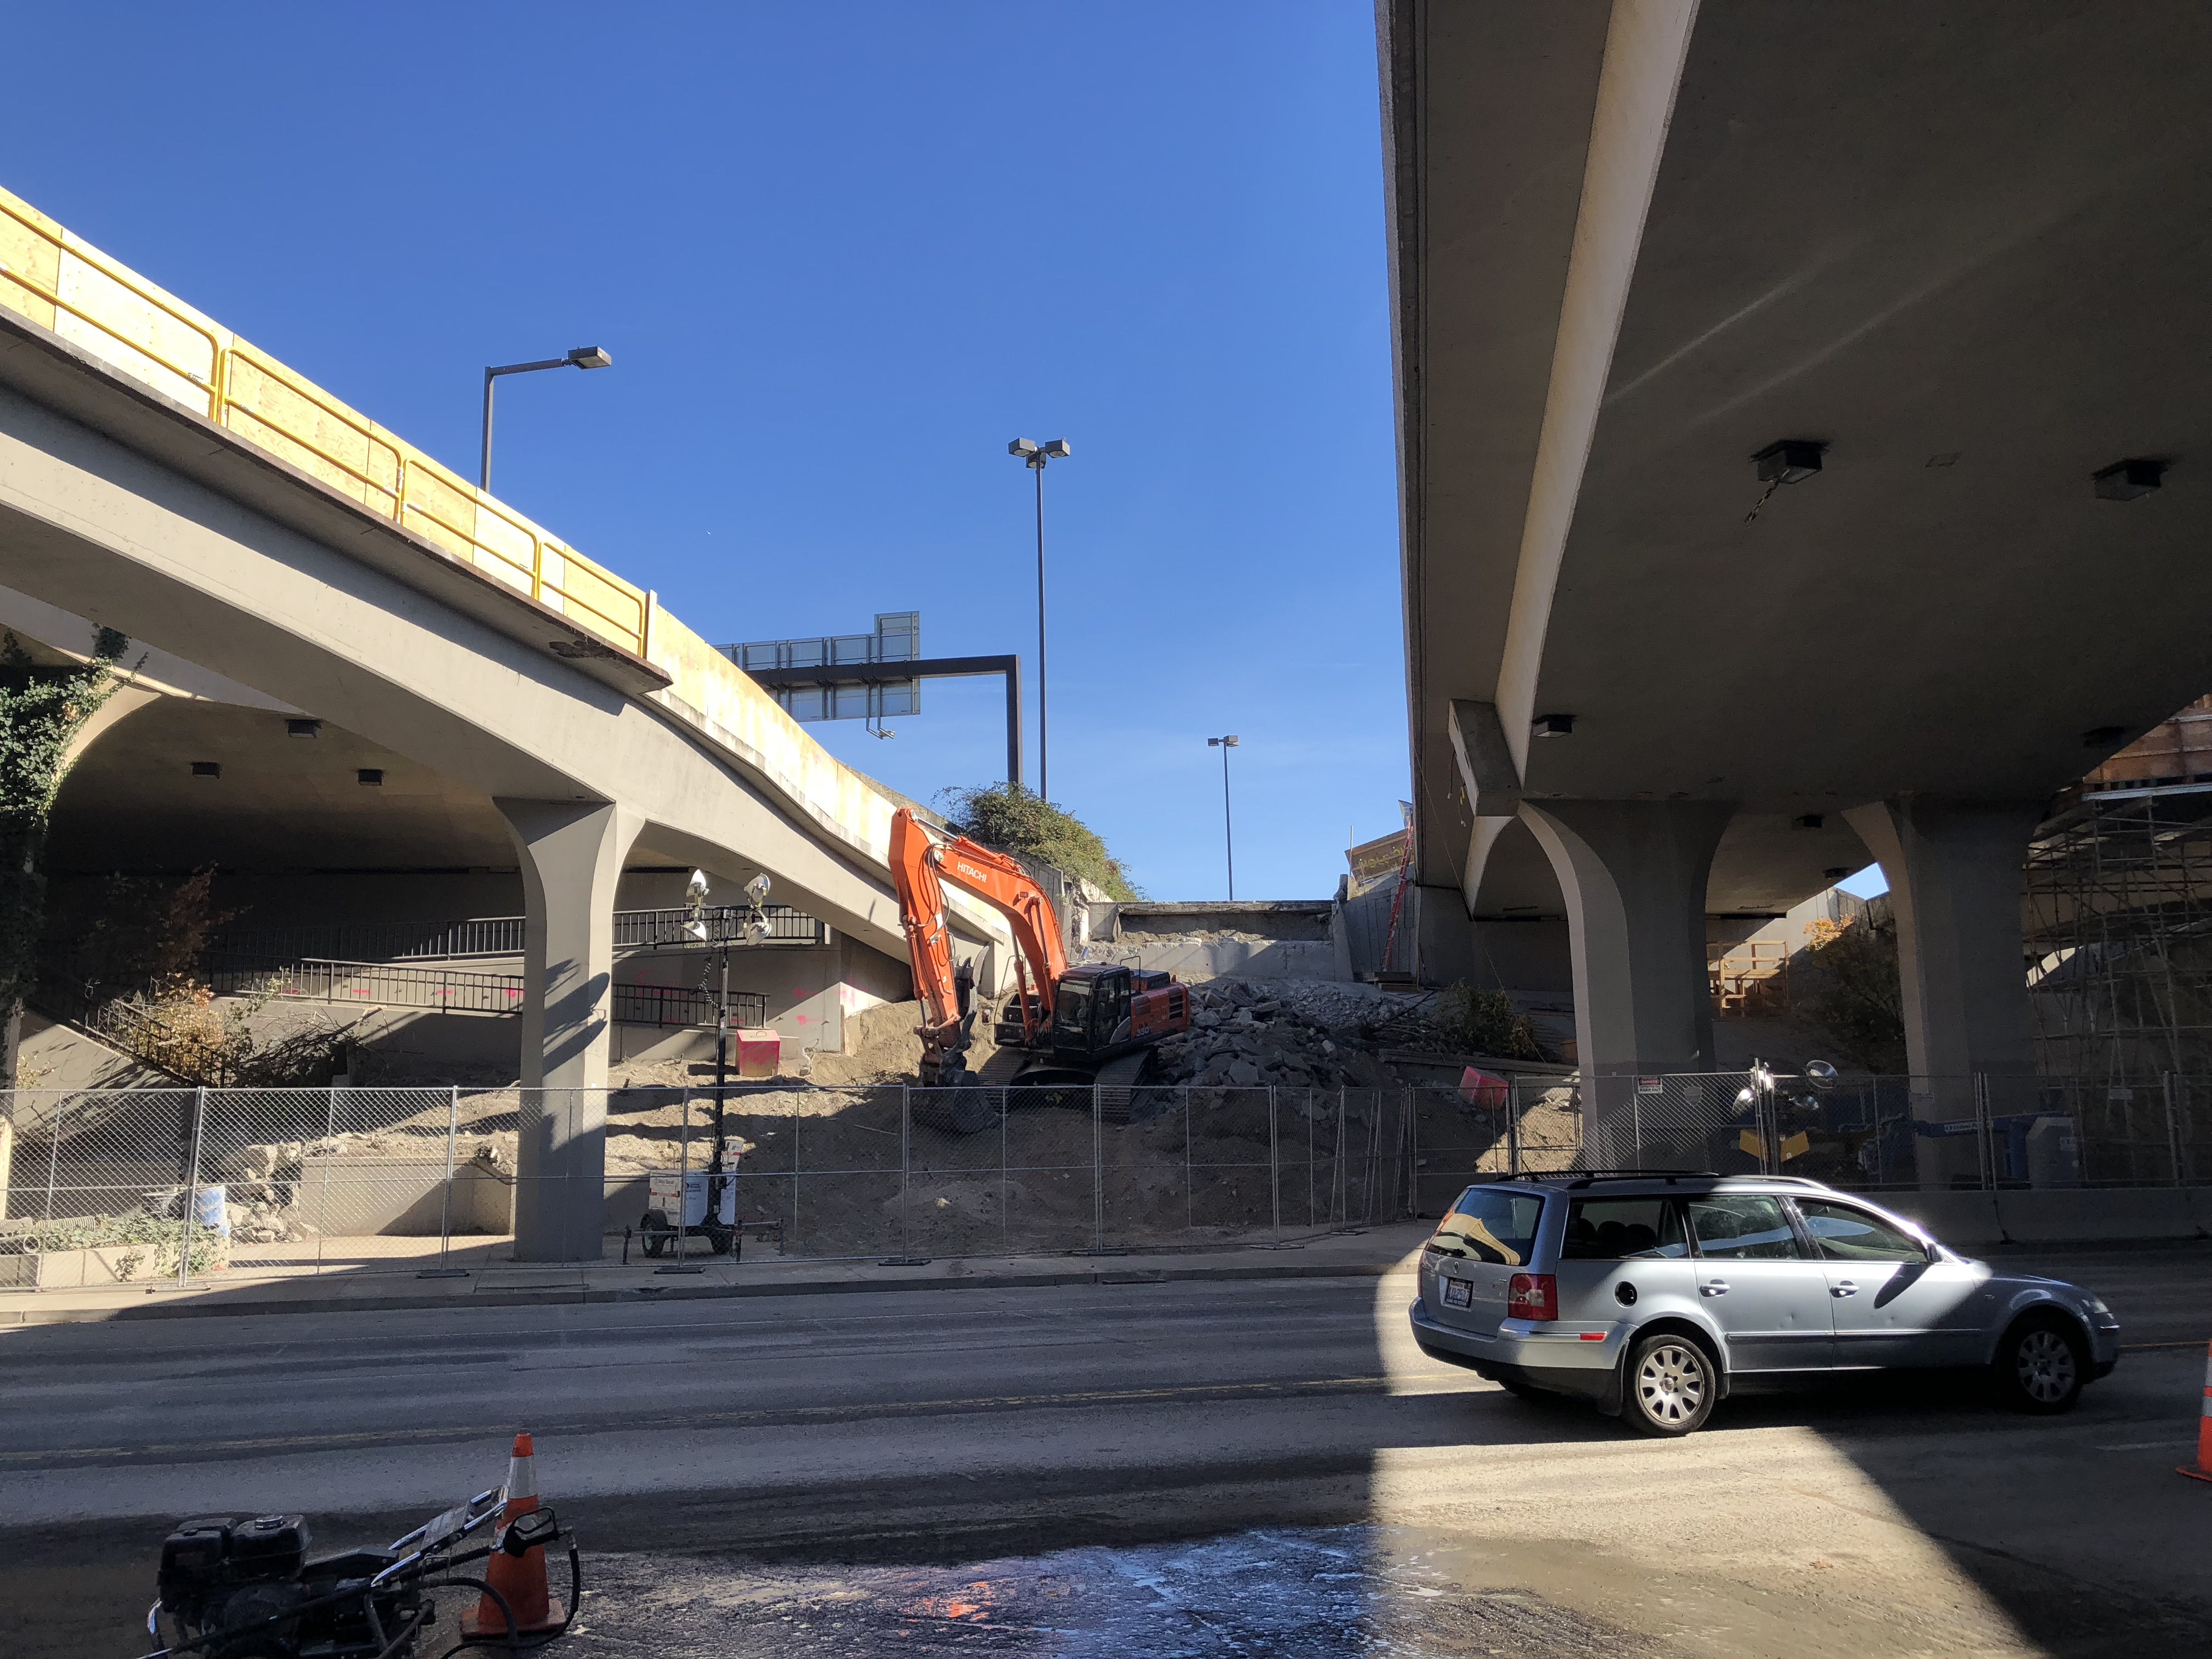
x,y
1980,1132
150,1186
153,1187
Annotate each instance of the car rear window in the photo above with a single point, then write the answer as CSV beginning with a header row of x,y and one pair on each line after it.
x,y
1491,1226
1623,1229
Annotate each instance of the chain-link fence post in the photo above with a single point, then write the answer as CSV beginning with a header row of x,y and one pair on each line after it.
x,y
1312,1148
1985,1148
444,1269
191,1190
53,1156
906,1162
1770,1124
1275,1168
1097,1172
1339,1214
322,1208
1513,1125
1413,1152
1006,1179
1410,1140
684,1179
2172,1131
1189,1209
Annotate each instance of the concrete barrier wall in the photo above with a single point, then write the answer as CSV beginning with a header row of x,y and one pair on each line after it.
x,y
2058,1215
1220,959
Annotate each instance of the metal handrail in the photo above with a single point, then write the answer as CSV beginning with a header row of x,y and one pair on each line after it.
x,y
683,1005
494,936
223,403
384,985
394,501
124,278
320,979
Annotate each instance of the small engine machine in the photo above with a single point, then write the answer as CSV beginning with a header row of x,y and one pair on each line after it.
x,y
234,1589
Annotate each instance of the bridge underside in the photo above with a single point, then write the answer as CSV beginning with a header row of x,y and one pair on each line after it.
x,y
1961,251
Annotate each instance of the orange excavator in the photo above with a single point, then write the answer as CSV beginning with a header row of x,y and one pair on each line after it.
x,y
1095,1022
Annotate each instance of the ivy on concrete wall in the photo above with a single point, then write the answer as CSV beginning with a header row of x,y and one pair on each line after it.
x,y
42,707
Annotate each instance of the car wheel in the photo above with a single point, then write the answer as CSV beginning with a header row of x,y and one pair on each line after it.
x,y
1671,1386
2041,1366
655,1231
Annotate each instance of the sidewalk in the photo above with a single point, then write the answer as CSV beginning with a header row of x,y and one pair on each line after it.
x,y
1368,1253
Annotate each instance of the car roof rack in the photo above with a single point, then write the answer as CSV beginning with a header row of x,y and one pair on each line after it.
x,y
1590,1177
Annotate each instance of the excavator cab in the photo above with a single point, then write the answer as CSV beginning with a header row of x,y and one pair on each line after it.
x,y
1090,1011
1102,1009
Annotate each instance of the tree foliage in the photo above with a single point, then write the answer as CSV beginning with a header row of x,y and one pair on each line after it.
x,y
1008,816
1846,991
42,707
1484,1023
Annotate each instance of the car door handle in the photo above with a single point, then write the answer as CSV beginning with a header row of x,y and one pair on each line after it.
x,y
1713,1287
1843,1287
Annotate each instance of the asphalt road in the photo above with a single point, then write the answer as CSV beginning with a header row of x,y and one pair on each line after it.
x,y
1185,1468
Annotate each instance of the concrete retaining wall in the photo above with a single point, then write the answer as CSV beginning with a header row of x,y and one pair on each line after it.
x,y
1217,958
2058,1215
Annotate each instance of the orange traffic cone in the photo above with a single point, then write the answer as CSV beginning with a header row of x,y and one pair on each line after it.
x,y
520,1579
2204,1469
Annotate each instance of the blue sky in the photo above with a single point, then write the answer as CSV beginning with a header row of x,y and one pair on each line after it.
x,y
841,254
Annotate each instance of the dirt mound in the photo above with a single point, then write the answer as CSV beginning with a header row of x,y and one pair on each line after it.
x,y
881,1046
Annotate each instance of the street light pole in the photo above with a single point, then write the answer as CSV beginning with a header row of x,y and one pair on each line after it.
x,y
1228,832
1034,455
582,357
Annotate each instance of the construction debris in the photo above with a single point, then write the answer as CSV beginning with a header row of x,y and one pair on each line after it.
x,y
1289,1033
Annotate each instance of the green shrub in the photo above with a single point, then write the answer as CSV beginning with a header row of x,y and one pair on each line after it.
x,y
1008,815
160,1235
1484,1023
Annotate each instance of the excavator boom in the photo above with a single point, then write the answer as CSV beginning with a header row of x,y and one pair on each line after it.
x,y
921,908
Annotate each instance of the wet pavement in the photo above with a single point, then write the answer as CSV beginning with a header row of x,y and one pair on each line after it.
x,y
1325,1592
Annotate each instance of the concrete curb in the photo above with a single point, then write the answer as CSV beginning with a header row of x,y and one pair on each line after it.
x,y
217,1306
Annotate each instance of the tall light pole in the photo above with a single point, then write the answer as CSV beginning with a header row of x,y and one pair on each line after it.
x,y
1228,834
1034,455
582,357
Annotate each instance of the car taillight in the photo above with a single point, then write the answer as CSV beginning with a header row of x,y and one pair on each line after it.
x,y
1533,1296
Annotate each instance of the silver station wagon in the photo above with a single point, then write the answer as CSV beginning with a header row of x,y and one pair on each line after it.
x,y
1656,1293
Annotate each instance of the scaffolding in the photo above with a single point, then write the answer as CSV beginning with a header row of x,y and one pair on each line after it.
x,y
2118,930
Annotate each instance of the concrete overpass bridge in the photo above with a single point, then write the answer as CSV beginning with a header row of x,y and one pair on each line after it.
x,y
1961,251
286,557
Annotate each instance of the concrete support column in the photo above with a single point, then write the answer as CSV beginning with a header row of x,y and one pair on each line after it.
x,y
1954,870
1633,874
571,855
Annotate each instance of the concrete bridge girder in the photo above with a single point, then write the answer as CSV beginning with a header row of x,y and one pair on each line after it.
x,y
92,529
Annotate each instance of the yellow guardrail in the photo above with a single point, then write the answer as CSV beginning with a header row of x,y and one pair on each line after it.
x,y
109,312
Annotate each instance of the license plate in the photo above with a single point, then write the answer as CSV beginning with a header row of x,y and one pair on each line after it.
x,y
1458,1293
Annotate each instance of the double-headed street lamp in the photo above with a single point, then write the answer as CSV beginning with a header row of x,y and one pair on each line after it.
x,y
1034,455
582,357
1228,834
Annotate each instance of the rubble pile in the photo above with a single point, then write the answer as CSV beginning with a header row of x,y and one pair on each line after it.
x,y
1289,1033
